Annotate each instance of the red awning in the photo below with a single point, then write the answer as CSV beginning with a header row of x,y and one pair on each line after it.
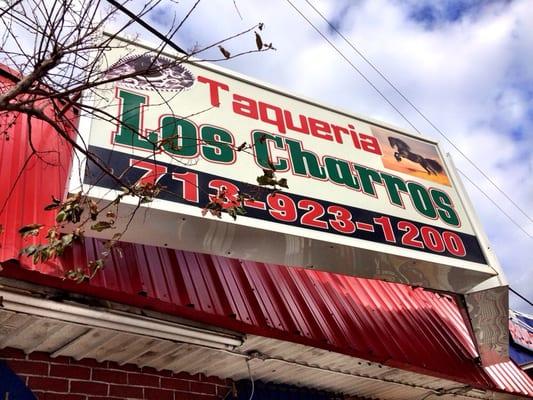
x,y
393,324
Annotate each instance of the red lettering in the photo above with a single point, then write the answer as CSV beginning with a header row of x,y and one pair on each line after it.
x,y
355,139
213,89
370,144
245,106
318,126
154,172
278,116
285,121
337,130
303,128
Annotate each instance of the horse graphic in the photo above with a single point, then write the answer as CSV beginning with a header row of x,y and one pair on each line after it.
x,y
404,151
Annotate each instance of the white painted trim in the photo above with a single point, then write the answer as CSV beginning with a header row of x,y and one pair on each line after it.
x,y
113,320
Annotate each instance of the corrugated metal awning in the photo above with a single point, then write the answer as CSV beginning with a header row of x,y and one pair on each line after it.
x,y
76,333
391,324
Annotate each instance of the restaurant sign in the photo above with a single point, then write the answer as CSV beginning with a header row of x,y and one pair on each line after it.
x,y
242,169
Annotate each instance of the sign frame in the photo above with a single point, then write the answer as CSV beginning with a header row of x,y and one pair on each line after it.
x,y
321,250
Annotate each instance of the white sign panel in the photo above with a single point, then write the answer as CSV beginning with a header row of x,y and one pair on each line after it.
x,y
335,186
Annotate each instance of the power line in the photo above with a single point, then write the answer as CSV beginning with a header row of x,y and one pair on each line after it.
x,y
401,114
146,26
419,112
409,122
354,67
495,204
519,295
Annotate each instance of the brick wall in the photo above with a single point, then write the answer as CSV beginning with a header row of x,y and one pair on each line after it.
x,y
63,378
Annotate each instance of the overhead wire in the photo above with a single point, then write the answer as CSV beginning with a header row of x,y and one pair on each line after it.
x,y
419,112
410,103
417,109
521,296
495,204
354,66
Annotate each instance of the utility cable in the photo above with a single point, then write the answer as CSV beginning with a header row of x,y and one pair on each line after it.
x,y
354,67
146,26
521,296
251,379
495,204
418,111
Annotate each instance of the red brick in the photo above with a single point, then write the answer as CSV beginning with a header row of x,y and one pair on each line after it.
x,y
48,384
185,375
182,396
198,396
149,370
70,371
222,391
213,379
111,376
10,352
195,377
200,387
176,384
126,391
89,362
103,398
158,394
127,367
143,380
63,360
89,387
28,367
39,356
61,396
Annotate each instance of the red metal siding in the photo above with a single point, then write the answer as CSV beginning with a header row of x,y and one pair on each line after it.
x,y
394,324
389,323
34,166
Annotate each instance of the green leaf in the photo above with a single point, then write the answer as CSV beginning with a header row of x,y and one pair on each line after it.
x,y
232,213
67,239
28,250
283,183
55,203
61,216
30,230
101,225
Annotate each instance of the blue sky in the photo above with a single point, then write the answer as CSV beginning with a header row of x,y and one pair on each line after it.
x,y
431,14
466,64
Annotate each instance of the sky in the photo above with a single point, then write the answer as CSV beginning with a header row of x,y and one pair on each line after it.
x,y
466,64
